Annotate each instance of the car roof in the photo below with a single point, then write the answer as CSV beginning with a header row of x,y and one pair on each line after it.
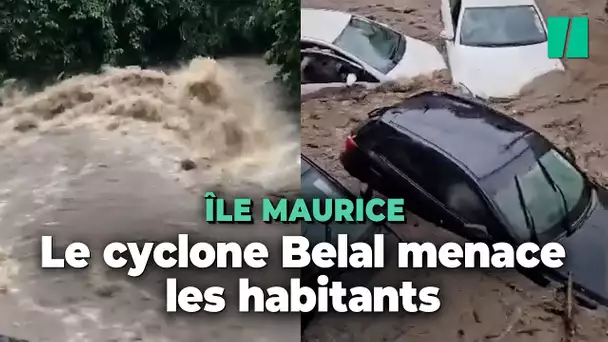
x,y
496,3
468,132
323,25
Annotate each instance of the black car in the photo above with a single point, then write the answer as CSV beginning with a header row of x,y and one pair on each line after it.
x,y
316,183
487,177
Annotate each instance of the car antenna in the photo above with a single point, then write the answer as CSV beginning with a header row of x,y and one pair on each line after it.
x,y
556,188
527,216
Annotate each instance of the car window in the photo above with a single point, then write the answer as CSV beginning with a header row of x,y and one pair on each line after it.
x,y
315,185
438,176
544,204
456,191
400,152
318,68
325,68
376,45
304,166
501,26
307,47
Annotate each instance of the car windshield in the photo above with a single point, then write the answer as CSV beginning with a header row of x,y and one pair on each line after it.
x,y
545,205
501,26
374,44
315,185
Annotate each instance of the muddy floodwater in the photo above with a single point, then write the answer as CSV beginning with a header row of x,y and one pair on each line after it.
x,y
126,155
476,305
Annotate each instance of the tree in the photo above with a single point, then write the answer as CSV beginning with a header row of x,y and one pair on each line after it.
x,y
285,51
42,38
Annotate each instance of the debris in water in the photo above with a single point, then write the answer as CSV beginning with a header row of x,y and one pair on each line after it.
x,y
200,106
512,321
8,269
569,324
187,164
25,124
112,126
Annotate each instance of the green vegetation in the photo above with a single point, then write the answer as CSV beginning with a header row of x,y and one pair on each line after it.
x,y
43,38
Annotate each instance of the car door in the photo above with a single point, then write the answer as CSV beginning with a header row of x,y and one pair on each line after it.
x,y
461,196
403,176
431,185
323,69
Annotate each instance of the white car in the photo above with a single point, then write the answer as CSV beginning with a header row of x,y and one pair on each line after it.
x,y
495,47
340,49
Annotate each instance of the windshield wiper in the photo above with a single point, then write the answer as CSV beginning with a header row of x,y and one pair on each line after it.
x,y
395,49
527,216
565,221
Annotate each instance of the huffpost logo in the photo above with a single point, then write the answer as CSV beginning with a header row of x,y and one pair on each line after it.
x,y
569,35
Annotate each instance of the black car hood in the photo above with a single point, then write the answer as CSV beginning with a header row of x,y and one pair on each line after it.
x,y
587,251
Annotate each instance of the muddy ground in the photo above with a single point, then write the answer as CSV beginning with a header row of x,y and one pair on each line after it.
x,y
476,305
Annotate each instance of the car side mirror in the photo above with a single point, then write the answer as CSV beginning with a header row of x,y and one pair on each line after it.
x,y
446,35
351,79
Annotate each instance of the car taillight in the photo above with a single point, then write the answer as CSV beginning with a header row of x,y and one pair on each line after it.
x,y
350,144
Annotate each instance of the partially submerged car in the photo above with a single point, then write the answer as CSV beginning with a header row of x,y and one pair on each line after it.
x,y
495,47
340,49
316,183
487,177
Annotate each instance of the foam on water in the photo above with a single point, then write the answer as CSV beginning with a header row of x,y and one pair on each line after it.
x,y
229,126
